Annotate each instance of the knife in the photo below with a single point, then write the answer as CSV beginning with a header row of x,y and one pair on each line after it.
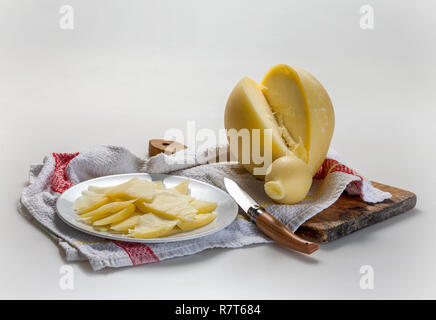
x,y
269,225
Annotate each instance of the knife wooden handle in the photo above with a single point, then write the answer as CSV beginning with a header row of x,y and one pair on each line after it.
x,y
277,231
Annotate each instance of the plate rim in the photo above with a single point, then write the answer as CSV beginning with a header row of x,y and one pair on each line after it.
x,y
147,240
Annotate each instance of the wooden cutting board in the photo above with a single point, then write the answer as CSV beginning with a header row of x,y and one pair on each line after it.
x,y
348,214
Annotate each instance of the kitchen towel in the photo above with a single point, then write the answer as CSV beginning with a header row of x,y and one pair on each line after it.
x,y
59,171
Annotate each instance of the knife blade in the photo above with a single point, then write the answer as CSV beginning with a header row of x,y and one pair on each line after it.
x,y
266,222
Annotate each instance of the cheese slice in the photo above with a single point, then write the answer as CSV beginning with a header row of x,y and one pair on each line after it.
x,y
152,226
101,228
200,220
170,205
203,206
89,202
127,224
105,211
117,217
134,188
182,188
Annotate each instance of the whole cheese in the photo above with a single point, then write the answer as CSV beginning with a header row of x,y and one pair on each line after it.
x,y
298,111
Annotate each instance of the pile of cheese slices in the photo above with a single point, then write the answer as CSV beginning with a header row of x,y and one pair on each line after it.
x,y
143,209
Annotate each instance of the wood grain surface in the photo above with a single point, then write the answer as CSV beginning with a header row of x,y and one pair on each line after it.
x,y
350,214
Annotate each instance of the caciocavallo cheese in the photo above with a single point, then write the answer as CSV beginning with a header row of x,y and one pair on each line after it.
x,y
296,107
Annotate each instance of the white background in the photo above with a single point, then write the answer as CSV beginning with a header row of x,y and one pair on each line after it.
x,y
132,69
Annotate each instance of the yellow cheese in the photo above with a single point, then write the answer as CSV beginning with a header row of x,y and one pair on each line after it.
x,y
117,217
182,187
134,188
247,109
169,205
90,201
150,226
298,110
101,228
199,221
303,106
150,211
204,206
289,180
127,224
104,211
159,185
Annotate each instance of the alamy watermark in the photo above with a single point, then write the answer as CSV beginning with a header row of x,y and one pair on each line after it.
x,y
248,146
366,281
66,21
366,17
66,281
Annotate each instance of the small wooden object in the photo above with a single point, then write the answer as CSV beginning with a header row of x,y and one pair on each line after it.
x,y
156,146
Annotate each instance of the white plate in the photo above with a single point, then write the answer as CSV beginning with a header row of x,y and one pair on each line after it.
x,y
227,209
